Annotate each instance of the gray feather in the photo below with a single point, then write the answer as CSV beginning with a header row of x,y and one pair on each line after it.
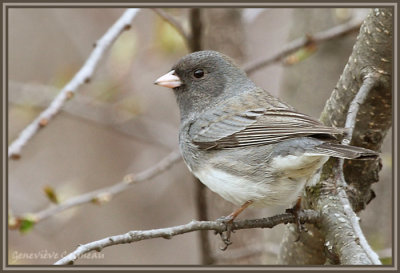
x,y
343,151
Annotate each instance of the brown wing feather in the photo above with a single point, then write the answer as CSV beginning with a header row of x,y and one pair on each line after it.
x,y
271,127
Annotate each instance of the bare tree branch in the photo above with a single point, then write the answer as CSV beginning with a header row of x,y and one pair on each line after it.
x,y
105,194
167,233
370,81
83,76
326,35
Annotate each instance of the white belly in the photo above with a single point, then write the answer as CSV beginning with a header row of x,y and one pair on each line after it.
x,y
232,188
294,173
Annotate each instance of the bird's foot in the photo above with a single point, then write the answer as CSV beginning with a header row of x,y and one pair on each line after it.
x,y
228,222
226,235
297,212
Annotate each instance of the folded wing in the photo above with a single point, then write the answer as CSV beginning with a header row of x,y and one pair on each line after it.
x,y
257,127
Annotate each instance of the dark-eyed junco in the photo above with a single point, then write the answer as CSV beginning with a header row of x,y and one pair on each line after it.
x,y
243,143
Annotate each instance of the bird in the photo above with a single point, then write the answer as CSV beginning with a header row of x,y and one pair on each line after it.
x,y
251,148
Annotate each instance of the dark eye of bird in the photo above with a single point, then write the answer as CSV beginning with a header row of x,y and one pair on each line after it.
x,y
198,73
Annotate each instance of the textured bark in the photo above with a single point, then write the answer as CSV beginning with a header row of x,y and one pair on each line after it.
x,y
326,64
371,57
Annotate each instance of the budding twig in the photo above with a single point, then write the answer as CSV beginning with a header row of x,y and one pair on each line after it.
x,y
326,35
105,194
83,76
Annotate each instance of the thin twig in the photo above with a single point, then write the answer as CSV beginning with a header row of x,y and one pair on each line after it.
x,y
174,23
369,82
326,35
107,193
84,75
308,216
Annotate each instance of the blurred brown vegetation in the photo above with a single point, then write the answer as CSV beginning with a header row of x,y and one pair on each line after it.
x,y
121,123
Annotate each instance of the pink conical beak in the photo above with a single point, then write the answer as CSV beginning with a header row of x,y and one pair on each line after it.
x,y
169,80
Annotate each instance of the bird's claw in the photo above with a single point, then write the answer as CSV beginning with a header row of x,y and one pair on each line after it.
x,y
226,235
226,240
299,224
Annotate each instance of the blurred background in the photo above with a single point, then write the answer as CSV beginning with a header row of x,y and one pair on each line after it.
x,y
121,123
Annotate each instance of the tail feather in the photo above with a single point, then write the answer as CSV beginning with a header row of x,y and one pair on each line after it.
x,y
343,151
